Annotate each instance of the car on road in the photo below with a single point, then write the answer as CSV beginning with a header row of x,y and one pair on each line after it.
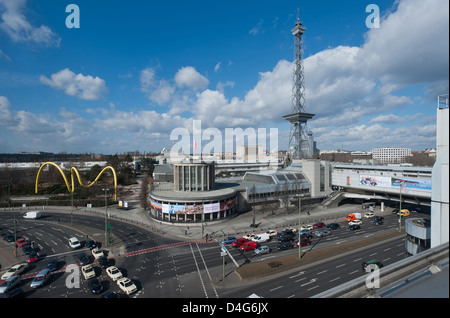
x,y
126,285
248,246
104,262
27,249
239,242
272,233
41,278
355,222
306,227
286,238
322,233
378,218
97,253
9,284
74,243
377,222
404,212
249,237
371,265
262,250
228,240
21,242
369,215
95,286
318,225
15,270
52,265
88,271
354,227
333,226
82,259
114,273
8,237
303,242
285,246
91,244
33,258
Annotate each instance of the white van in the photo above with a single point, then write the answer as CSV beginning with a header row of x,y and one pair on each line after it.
x,y
261,238
32,215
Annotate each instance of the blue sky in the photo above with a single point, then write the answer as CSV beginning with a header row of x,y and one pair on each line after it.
x,y
136,70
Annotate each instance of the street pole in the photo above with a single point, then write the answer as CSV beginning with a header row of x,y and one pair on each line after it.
x,y
106,217
299,238
400,211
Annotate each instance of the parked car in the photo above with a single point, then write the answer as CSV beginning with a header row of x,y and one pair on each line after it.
x,y
354,227
333,226
9,284
41,278
15,270
262,250
285,246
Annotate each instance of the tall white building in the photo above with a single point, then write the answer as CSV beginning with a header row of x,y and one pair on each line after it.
x,y
440,190
390,155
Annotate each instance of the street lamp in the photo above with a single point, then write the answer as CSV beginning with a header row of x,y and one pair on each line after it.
x,y
299,234
106,217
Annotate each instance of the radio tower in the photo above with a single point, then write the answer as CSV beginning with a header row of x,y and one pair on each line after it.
x,y
300,139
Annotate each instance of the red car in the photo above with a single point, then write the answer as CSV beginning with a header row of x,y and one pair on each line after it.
x,y
32,258
318,225
21,242
249,246
239,242
303,241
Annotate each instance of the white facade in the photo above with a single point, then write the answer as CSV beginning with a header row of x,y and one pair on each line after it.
x,y
391,155
440,196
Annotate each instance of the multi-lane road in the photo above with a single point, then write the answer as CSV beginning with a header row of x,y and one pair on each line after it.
x,y
162,267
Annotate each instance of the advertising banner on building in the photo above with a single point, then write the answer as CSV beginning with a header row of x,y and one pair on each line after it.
x,y
388,182
376,181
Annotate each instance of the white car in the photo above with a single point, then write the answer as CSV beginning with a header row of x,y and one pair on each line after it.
x,y
114,273
127,285
272,233
249,237
88,271
97,253
369,215
306,227
15,270
74,243
355,222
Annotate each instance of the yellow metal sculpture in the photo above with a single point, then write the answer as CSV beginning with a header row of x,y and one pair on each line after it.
x,y
72,171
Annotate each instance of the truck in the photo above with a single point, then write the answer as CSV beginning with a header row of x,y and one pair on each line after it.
x,y
32,215
353,217
261,238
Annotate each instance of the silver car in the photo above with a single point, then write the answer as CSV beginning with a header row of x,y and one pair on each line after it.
x,y
9,284
262,250
41,277
323,233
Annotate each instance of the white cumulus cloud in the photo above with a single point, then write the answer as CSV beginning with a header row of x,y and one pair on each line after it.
x,y
82,86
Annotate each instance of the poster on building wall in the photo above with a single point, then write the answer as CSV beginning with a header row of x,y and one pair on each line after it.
x,y
376,181
212,207
411,183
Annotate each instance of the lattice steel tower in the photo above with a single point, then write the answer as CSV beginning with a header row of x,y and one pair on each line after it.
x,y
300,139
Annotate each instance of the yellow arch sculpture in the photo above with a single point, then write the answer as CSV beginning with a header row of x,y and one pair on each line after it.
x,y
72,170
